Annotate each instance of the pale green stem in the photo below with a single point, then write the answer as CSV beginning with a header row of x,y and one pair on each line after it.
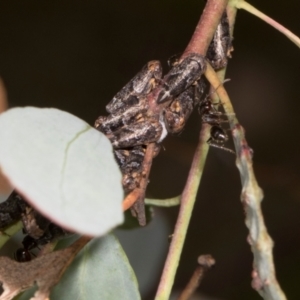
x,y
198,44
251,9
263,276
164,202
186,207
9,232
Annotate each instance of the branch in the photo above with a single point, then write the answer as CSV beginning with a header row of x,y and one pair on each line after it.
x,y
264,278
164,202
186,207
205,263
138,194
206,27
198,44
251,9
3,97
9,232
44,271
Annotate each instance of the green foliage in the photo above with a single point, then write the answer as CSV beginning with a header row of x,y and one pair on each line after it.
x,y
100,271
64,167
101,268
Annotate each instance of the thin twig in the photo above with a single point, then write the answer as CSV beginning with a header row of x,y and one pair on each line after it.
x,y
206,27
209,21
139,193
205,263
251,9
3,97
5,186
264,278
164,202
187,203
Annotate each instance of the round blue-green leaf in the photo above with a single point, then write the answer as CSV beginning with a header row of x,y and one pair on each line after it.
x,y
63,167
100,271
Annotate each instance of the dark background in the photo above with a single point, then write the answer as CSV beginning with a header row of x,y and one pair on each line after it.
x,y
75,55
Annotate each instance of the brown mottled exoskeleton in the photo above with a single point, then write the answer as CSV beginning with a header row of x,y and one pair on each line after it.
x,y
29,243
15,208
220,48
34,224
38,229
181,107
129,123
131,161
217,54
132,125
181,76
12,209
130,128
141,84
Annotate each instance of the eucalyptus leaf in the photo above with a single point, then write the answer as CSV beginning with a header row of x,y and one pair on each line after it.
x,y
100,271
63,167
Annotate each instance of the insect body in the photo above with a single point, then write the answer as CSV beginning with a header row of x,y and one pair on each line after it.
x,y
181,76
210,115
131,126
29,243
34,224
218,137
113,122
180,109
12,209
141,84
177,113
142,132
129,123
130,162
23,254
39,229
220,47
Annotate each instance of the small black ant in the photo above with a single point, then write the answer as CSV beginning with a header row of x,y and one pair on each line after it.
x,y
210,115
29,243
24,254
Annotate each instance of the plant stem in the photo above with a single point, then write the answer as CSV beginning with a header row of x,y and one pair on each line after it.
x,y
11,230
139,193
206,27
187,203
263,276
198,44
164,202
251,9
205,262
